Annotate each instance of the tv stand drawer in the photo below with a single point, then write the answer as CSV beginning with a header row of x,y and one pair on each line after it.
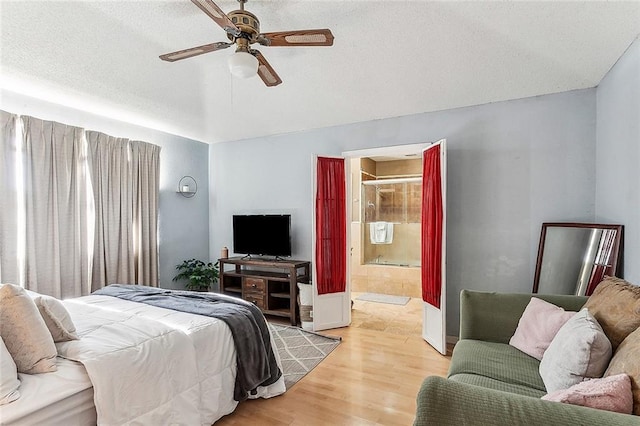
x,y
254,284
255,298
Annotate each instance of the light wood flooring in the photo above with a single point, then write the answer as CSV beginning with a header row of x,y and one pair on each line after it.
x,y
371,378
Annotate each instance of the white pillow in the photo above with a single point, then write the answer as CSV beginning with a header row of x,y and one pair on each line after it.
x,y
56,318
25,333
9,382
580,350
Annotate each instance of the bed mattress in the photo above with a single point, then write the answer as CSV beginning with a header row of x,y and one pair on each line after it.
x,y
62,397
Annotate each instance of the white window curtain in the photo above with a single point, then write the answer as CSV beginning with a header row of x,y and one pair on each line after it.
x,y
125,180
79,210
53,160
146,160
9,269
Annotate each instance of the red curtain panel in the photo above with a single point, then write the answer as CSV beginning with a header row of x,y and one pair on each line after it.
x,y
331,226
431,227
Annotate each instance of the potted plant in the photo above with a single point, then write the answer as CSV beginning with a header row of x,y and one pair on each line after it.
x,y
200,275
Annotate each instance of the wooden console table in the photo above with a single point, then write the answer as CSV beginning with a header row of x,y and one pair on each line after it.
x,y
270,284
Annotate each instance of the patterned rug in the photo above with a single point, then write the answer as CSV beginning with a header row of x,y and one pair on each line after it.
x,y
300,351
383,298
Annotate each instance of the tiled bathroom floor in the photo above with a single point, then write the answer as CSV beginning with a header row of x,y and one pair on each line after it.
x,y
395,319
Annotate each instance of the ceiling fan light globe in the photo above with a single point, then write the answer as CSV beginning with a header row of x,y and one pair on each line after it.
x,y
243,64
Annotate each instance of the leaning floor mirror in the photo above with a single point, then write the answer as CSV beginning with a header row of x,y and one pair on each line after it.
x,y
574,257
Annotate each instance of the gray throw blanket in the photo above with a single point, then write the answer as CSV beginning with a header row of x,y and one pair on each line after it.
x,y
254,354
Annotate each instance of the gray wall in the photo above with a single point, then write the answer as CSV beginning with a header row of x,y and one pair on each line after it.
x,y
512,165
183,223
618,154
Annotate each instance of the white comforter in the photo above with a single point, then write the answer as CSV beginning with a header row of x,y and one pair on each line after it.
x,y
154,366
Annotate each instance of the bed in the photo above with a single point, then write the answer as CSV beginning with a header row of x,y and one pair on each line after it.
x,y
135,363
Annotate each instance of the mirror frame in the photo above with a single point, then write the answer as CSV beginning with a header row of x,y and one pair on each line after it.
x,y
615,259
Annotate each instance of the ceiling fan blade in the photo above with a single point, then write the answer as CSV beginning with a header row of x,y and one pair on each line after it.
x,y
214,12
322,37
194,51
265,71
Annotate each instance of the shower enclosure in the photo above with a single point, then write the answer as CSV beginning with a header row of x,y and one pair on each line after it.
x,y
390,215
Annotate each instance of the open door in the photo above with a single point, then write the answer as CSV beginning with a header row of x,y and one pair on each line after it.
x,y
331,292
434,202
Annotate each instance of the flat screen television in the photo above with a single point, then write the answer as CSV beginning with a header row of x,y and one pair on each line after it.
x,y
262,235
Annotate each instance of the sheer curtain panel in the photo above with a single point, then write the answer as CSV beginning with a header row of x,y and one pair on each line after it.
x,y
146,157
79,209
9,270
331,226
125,180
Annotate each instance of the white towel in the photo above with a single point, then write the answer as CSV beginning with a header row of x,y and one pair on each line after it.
x,y
381,232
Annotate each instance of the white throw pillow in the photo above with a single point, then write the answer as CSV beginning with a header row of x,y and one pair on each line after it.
x,y
579,351
25,333
9,382
57,318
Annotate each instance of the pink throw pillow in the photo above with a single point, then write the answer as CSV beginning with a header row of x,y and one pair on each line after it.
x,y
611,393
538,326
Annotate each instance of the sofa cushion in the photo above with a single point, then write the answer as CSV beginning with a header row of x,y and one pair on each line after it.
x,y
537,327
579,351
626,360
498,361
443,402
489,383
609,393
616,305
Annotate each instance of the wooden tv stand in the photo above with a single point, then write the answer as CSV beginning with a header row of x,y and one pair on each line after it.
x,y
270,284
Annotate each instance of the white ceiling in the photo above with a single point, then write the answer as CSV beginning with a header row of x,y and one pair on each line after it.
x,y
390,58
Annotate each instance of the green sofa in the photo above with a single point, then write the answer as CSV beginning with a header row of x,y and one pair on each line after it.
x,y
493,383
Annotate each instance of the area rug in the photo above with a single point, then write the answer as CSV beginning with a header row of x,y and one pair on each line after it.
x,y
300,351
384,298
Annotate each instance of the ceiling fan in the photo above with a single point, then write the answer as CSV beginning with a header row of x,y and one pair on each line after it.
x,y
243,30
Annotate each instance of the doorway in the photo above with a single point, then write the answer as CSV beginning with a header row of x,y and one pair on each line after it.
x,y
385,225
384,238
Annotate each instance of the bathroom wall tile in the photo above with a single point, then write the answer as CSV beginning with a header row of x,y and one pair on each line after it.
x,y
360,271
359,284
375,285
412,289
399,167
380,272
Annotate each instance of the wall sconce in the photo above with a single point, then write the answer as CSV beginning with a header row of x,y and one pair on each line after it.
x,y
187,187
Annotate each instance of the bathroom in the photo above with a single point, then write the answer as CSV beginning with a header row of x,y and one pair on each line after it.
x,y
385,225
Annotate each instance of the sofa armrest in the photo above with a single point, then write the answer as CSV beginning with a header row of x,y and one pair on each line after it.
x,y
493,317
445,402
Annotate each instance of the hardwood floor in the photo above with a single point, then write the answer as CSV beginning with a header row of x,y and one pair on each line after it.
x,y
371,378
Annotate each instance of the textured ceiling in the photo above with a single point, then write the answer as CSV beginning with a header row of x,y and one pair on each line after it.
x,y
390,58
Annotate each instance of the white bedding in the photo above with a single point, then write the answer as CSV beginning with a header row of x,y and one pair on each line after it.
x,y
169,367
62,397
